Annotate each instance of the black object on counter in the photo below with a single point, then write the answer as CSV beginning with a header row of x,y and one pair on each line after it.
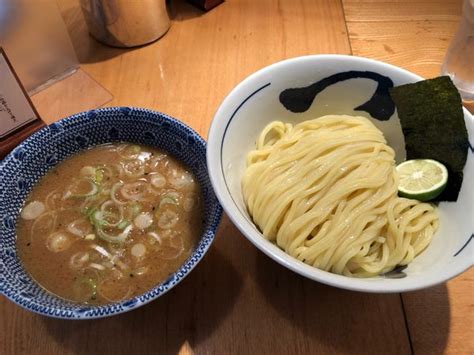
x,y
206,5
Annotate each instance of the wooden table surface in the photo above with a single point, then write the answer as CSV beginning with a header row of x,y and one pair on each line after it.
x,y
237,300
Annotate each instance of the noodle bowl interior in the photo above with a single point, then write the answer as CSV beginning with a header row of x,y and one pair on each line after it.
x,y
325,191
109,223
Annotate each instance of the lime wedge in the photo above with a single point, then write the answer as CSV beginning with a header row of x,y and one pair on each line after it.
x,y
421,179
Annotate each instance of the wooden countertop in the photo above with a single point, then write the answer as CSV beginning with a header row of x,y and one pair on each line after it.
x,y
237,300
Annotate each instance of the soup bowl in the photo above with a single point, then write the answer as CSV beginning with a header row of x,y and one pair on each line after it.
x,y
30,160
340,85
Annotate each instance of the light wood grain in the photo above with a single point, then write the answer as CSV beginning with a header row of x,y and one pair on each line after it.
x,y
402,10
418,46
188,72
441,319
411,34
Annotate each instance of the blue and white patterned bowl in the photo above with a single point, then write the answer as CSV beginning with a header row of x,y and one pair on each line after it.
x,y
28,162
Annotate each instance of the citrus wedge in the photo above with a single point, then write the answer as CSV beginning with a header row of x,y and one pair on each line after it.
x,y
421,179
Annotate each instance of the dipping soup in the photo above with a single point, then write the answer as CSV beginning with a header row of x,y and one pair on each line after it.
x,y
109,223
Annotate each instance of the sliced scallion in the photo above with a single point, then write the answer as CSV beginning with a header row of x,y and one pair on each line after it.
x,y
170,197
97,266
33,210
86,289
94,189
113,192
119,238
99,176
143,220
124,223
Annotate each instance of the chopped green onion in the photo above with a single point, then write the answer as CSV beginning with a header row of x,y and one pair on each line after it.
x,y
91,286
88,211
97,219
33,210
87,171
140,271
95,174
79,259
135,191
169,197
154,237
97,266
120,238
124,223
113,193
99,175
166,200
101,250
128,151
168,219
158,180
58,242
112,214
93,191
138,250
143,220
79,227
136,208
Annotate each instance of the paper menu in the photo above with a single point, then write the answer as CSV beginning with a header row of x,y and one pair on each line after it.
x,y
16,109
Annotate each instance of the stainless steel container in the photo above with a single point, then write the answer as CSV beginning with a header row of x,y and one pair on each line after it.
x,y
126,23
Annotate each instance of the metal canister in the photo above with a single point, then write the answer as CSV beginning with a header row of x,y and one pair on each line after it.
x,y
126,23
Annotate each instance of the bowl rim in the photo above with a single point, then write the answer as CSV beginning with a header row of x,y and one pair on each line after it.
x,y
214,161
191,262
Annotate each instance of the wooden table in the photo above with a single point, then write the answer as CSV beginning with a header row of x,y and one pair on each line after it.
x,y
237,300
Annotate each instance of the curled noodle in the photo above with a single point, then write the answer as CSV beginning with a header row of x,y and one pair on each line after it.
x,y
325,191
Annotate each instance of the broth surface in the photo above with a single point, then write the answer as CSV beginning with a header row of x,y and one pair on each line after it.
x,y
109,223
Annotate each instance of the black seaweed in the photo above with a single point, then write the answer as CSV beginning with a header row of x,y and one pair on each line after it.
x,y
432,120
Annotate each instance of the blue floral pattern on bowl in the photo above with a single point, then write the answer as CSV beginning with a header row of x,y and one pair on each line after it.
x,y
22,168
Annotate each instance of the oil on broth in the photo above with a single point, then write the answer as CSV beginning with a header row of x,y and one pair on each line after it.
x,y
109,223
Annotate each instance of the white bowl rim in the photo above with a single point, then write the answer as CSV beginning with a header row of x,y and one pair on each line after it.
x,y
370,285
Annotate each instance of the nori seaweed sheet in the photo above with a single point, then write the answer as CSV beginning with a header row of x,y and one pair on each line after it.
x,y
432,121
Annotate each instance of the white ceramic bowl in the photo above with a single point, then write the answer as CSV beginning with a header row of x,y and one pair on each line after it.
x,y
254,103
